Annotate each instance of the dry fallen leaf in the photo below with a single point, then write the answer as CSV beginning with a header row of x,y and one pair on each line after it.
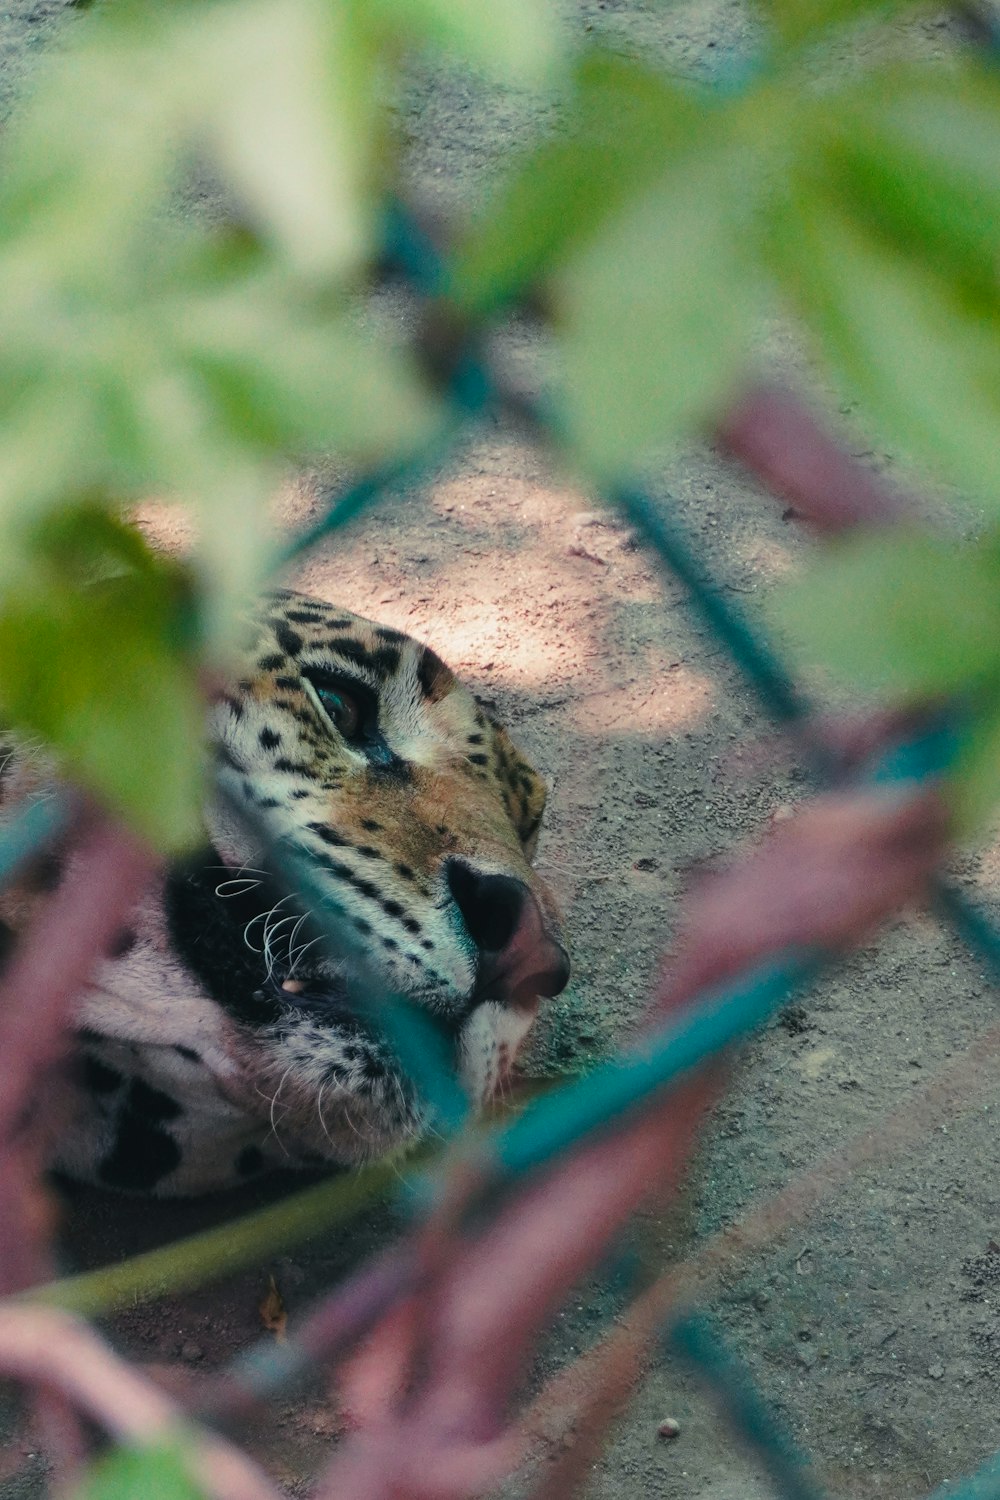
x,y
273,1314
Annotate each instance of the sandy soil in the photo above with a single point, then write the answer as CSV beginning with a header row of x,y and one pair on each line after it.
x,y
874,1328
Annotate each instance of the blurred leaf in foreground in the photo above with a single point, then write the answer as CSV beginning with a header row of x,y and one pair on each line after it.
x,y
288,108
921,352
94,659
152,1473
622,125
905,613
143,354
658,309
888,239
801,22
915,155
516,40
916,617
975,785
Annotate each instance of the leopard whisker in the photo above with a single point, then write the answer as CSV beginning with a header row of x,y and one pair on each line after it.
x,y
300,950
270,929
273,928
274,1102
291,943
319,1111
261,916
240,885
350,1123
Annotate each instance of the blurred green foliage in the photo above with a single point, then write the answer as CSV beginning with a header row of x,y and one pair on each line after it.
x,y
146,351
156,1472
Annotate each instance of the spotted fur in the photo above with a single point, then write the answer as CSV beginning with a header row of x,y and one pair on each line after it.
x,y
224,1035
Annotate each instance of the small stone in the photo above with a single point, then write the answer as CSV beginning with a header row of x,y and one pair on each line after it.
x,y
935,1371
761,1300
191,1353
579,550
669,1429
807,1357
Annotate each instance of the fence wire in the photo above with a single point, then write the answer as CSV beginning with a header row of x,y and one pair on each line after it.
x,y
569,1114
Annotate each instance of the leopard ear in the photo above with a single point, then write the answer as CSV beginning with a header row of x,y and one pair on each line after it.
x,y
524,791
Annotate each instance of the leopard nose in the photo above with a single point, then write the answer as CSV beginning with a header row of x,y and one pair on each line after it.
x,y
518,959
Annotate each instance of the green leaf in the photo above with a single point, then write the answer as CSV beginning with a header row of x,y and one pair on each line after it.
x,y
921,350
974,786
290,108
914,155
624,123
516,40
155,1473
94,634
87,158
282,97
657,311
910,614
800,22
286,376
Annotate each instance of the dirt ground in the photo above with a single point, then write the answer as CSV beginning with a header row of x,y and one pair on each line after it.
x,y
874,1328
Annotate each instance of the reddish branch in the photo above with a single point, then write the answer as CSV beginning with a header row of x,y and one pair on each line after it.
x,y
49,1349
330,1331
774,433
822,881
433,1386
591,1392
435,1389
72,932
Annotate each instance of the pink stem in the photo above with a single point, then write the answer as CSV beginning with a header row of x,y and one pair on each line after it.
x,y
775,434
72,933
45,1347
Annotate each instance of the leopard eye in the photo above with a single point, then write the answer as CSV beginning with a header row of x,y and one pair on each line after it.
x,y
344,710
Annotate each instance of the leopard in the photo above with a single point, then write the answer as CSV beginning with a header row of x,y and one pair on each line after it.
x,y
236,1026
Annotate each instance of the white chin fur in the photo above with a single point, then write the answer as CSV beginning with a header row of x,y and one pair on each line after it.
x,y
489,1043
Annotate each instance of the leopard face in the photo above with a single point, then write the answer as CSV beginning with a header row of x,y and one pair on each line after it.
x,y
374,769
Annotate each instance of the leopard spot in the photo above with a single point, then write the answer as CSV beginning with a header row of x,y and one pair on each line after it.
x,y
141,1156
98,1077
289,640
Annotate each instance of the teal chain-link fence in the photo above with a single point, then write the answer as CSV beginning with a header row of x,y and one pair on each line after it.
x,y
550,1126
